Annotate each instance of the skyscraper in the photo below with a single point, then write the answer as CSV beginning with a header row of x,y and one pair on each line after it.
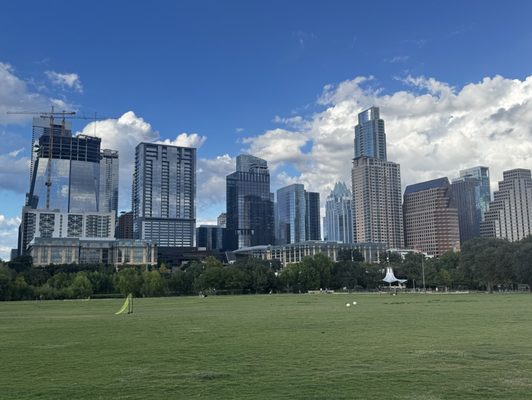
x,y
338,224
431,223
69,181
370,137
510,213
471,196
250,219
312,216
291,214
377,212
164,194
108,200
66,181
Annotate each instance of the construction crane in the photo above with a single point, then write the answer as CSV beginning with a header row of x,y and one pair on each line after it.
x,y
51,115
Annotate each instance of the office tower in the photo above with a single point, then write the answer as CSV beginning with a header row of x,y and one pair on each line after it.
x,y
370,137
108,200
42,126
377,213
164,194
431,223
69,181
510,213
338,223
312,216
291,214
482,190
210,237
250,219
124,226
222,220
471,196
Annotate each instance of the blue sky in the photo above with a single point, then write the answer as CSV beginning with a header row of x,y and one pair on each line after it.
x,y
241,74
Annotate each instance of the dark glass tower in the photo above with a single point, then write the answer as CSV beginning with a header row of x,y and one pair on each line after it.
x,y
471,196
312,216
250,219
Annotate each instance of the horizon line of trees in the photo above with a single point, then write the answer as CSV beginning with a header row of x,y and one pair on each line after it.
x,y
482,264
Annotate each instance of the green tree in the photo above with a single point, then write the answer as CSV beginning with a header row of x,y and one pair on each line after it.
x,y
153,284
490,261
129,280
81,286
522,262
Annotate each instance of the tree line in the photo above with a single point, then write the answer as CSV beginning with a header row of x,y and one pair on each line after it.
x,y
482,264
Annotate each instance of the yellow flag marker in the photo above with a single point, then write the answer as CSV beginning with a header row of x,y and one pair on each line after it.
x,y
128,305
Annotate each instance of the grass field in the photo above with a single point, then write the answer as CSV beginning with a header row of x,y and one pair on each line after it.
x,y
270,347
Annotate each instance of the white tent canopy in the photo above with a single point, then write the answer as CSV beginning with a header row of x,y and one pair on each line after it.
x,y
390,277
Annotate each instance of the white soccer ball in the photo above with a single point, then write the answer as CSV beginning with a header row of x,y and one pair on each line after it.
x,y
354,303
348,305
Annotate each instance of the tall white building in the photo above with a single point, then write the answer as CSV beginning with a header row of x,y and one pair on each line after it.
x,y
510,213
377,211
338,222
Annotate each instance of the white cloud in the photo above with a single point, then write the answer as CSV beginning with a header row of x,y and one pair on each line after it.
x,y
211,181
14,172
185,140
433,130
8,235
15,95
66,80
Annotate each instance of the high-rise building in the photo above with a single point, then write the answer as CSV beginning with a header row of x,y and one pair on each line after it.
x,y
370,137
222,220
510,213
43,126
69,181
164,194
482,190
377,213
431,223
312,216
67,197
250,219
471,196
338,223
108,200
124,226
210,237
291,214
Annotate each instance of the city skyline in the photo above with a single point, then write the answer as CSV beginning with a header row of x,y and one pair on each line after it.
x,y
311,85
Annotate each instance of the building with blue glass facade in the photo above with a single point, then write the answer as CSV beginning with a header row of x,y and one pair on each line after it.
x,y
250,215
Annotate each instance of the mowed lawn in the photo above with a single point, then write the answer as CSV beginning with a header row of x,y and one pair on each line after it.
x,y
410,346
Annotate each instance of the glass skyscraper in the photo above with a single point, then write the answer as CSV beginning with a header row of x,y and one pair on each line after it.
x,y
108,200
471,196
338,222
370,137
250,219
164,194
291,212
377,211
74,177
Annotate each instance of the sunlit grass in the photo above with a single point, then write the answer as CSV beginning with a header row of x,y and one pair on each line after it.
x,y
270,347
